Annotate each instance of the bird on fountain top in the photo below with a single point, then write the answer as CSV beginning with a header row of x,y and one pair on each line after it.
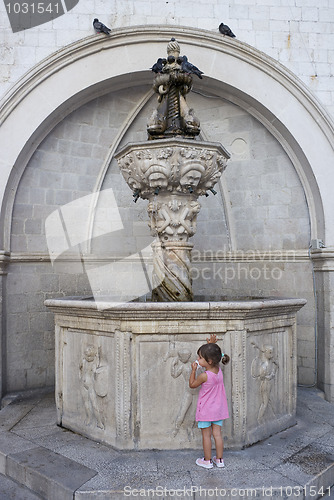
x,y
159,65
187,67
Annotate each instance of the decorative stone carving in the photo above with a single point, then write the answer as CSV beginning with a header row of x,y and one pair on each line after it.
x,y
172,170
149,347
172,166
94,385
264,368
173,219
172,174
173,116
181,366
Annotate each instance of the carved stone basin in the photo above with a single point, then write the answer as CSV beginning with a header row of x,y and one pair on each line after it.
x,y
122,370
172,166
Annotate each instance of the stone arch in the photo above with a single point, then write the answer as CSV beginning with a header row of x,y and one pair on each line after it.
x,y
78,73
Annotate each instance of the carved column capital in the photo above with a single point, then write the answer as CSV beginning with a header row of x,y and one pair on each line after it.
x,y
172,165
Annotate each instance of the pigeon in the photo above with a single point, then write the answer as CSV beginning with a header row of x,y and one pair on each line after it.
x,y
157,67
187,67
225,30
100,27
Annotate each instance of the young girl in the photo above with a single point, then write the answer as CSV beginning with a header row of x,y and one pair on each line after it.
x,y
212,404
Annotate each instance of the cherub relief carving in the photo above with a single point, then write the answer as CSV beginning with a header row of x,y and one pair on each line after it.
x,y
181,366
94,385
264,368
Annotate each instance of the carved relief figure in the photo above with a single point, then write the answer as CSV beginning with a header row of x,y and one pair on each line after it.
x,y
174,219
264,368
188,218
94,385
172,83
190,178
191,123
158,178
181,366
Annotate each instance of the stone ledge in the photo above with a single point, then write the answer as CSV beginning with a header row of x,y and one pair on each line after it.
x,y
86,306
48,474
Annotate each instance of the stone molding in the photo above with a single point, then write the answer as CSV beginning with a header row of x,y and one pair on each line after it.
x,y
125,312
4,261
203,256
33,91
323,259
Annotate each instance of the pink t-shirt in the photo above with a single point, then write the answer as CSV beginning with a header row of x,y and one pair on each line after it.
x,y
212,402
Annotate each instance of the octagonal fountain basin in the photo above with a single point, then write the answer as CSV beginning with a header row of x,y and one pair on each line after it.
x,y
122,369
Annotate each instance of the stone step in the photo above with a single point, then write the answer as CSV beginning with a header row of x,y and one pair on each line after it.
x,y
11,490
48,474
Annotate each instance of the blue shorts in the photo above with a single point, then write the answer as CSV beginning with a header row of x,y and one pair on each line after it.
x,y
203,425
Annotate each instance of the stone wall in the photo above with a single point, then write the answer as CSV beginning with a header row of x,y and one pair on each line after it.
x,y
252,237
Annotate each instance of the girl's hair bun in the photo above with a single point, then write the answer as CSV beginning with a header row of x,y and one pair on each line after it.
x,y
225,358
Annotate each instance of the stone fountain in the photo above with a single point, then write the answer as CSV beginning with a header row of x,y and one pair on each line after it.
x,y
122,368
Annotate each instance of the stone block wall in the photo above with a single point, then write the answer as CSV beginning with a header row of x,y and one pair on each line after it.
x,y
29,360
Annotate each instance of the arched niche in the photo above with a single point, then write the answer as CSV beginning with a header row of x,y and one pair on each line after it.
x,y
233,70
94,65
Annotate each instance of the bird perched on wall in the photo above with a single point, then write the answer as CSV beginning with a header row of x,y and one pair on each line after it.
x,y
157,67
187,67
100,27
225,30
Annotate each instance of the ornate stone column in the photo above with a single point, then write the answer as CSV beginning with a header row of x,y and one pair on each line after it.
x,y
172,173
172,170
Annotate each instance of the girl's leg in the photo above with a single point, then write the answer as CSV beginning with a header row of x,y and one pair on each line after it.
x,y
206,439
217,436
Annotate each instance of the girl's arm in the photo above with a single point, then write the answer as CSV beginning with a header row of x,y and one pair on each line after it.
x,y
196,382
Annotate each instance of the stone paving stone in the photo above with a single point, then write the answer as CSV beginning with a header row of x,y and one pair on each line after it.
x,y
78,448
302,456
39,416
10,443
48,474
12,414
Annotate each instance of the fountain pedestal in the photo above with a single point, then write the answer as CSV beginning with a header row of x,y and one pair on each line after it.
x,y
172,173
122,370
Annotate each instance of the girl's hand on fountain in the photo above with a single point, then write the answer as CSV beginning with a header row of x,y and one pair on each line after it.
x,y
212,339
194,365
